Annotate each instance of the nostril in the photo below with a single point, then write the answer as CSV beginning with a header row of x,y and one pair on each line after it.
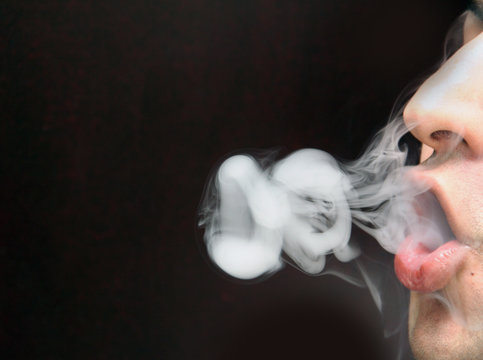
x,y
447,139
442,135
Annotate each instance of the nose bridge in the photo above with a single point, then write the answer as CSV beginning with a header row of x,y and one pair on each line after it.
x,y
451,100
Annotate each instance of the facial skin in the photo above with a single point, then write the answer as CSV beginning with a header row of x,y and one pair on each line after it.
x,y
447,112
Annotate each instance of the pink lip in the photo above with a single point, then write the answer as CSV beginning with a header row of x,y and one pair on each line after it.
x,y
420,269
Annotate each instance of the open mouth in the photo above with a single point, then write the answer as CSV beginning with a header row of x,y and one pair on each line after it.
x,y
430,254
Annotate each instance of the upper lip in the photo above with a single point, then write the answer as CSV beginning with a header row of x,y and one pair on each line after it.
x,y
437,190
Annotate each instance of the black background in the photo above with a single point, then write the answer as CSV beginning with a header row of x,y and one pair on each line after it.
x,y
113,113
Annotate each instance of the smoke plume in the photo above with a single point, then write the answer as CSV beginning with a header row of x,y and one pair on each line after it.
x,y
305,204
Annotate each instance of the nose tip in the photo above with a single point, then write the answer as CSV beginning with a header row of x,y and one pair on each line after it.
x,y
448,125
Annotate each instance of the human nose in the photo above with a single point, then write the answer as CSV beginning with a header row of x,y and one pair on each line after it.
x,y
447,109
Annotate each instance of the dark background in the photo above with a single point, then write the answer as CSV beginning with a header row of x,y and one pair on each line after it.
x,y
112,115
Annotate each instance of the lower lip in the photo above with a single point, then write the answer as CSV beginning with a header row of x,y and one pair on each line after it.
x,y
420,269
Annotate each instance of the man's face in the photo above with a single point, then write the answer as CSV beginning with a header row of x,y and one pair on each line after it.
x,y
447,112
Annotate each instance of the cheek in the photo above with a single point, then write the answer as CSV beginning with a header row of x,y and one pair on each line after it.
x,y
461,186
468,198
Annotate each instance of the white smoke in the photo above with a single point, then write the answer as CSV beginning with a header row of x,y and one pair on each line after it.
x,y
305,204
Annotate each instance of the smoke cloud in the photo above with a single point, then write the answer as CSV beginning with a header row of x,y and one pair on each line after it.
x,y
305,204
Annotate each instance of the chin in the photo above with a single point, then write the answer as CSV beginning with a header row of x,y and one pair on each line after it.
x,y
438,333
